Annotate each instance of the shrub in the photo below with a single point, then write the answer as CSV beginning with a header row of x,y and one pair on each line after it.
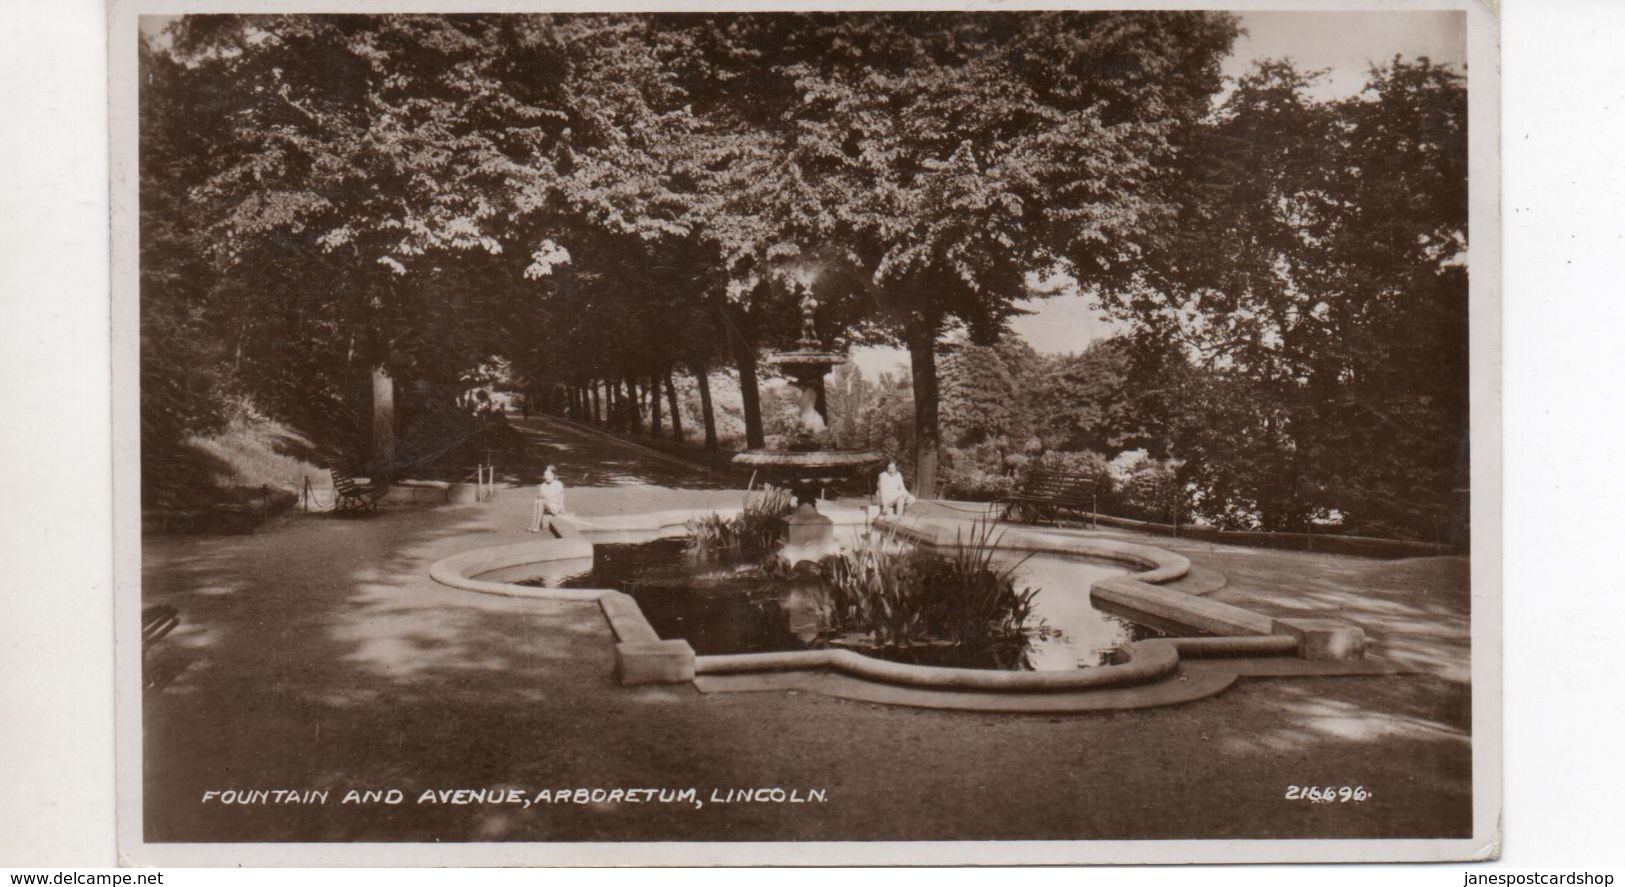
x,y
1150,491
975,484
1071,462
980,472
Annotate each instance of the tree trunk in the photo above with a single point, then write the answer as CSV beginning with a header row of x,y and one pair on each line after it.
x,y
738,321
922,343
592,401
703,379
383,420
634,408
750,397
676,414
654,405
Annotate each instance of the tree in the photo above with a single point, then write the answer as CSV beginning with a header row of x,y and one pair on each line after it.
x,y
1317,282
948,156
182,326
1086,401
347,154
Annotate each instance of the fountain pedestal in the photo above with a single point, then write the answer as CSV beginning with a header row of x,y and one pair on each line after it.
x,y
809,536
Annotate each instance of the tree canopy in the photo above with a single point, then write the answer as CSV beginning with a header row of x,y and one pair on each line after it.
x,y
335,204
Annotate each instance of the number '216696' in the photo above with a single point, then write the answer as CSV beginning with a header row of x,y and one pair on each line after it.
x,y
1328,794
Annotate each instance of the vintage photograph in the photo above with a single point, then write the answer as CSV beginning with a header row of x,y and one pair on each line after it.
x,y
972,435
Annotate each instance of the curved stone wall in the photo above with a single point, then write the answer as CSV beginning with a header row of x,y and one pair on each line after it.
x,y
643,657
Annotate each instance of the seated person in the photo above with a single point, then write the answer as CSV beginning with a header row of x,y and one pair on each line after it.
x,y
893,494
549,500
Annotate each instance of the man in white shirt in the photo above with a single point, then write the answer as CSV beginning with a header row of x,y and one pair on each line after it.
x,y
893,493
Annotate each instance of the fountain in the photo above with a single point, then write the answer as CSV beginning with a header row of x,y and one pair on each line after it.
x,y
806,466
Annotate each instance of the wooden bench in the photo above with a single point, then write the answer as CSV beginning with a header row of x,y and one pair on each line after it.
x,y
350,497
1046,495
155,623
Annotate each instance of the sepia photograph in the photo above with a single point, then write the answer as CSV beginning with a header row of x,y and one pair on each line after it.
x,y
811,436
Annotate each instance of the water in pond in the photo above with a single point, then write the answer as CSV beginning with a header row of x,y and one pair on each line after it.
x,y
737,608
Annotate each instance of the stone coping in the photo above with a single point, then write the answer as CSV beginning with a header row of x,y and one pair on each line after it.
x,y
1160,564
465,571
1137,596
482,569
1184,687
643,657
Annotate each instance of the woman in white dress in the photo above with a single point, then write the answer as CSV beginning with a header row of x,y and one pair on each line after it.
x,y
549,500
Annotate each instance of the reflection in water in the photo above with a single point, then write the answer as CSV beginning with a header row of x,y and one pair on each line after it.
x,y
741,607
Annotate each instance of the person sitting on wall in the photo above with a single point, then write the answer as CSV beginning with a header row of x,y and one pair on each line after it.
x,y
549,501
893,493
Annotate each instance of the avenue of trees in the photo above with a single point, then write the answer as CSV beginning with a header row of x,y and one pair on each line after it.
x,y
348,217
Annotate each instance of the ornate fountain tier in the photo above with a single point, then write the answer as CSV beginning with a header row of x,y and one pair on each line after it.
x,y
811,359
805,472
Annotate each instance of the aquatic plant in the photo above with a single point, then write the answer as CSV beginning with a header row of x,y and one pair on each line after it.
x,y
758,528
972,598
760,523
873,588
899,595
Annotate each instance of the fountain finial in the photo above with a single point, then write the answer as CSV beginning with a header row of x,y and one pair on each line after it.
x,y
809,307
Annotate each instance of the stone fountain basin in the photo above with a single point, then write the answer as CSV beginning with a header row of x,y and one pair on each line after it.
x,y
805,470
642,657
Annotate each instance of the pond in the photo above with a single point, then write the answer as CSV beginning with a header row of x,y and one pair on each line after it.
x,y
739,607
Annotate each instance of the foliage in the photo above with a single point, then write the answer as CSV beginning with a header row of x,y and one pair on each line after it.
x,y
1085,401
874,587
1065,462
1307,329
987,393
976,473
1153,491
757,529
606,197
973,600
900,595
867,415
947,156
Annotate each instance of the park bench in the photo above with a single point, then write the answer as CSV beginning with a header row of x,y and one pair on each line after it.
x,y
1046,495
348,496
155,623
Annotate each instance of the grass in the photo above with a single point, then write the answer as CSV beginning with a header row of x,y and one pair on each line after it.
x,y
250,453
263,452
